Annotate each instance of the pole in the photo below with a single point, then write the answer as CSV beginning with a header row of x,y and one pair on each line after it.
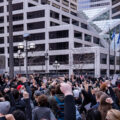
x,y
26,51
56,71
46,63
114,57
109,59
19,65
11,58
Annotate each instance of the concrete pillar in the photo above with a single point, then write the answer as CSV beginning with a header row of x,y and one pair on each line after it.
x,y
71,47
47,24
97,62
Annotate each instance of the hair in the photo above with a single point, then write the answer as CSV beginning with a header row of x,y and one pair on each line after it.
x,y
43,101
113,114
19,115
117,92
52,91
57,89
16,94
98,94
93,114
104,106
103,87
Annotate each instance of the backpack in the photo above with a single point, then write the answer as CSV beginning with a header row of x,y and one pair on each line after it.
x,y
60,111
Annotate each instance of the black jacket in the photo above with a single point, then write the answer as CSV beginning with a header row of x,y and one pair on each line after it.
x,y
69,108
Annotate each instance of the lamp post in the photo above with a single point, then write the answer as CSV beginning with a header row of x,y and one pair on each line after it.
x,y
19,55
46,62
11,56
26,48
56,65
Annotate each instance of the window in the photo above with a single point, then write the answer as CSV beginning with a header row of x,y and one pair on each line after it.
x,y
77,35
103,72
43,2
1,9
16,17
116,9
116,17
112,60
59,34
1,40
15,49
118,60
30,5
2,50
36,14
62,59
65,19
17,61
39,47
77,45
83,25
17,38
73,13
17,28
73,6
87,37
96,40
36,60
1,1
58,46
115,2
17,6
55,5
103,58
54,14
36,25
53,24
1,29
65,10
65,2
1,19
37,36
74,22
87,58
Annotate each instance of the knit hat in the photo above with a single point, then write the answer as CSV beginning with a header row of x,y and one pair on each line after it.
x,y
18,87
37,93
4,107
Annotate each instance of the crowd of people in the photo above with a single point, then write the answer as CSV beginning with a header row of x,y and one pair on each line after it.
x,y
48,98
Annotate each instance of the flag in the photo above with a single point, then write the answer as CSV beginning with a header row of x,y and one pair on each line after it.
x,y
113,35
118,39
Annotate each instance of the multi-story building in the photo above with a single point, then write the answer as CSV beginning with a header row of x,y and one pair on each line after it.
x,y
115,9
88,4
58,30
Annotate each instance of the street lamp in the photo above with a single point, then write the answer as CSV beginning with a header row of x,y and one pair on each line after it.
x,y
27,47
56,65
19,55
46,60
11,57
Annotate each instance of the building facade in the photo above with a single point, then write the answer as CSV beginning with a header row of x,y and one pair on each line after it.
x,y
58,31
88,4
115,9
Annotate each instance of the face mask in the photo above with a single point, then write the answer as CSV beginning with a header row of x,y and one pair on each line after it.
x,y
22,91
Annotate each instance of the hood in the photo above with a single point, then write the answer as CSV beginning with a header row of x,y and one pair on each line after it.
x,y
4,107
